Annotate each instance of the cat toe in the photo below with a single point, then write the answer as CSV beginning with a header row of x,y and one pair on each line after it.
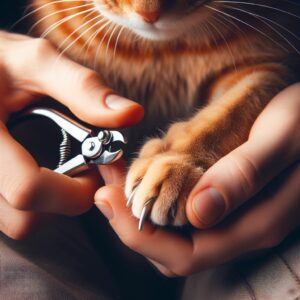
x,y
160,193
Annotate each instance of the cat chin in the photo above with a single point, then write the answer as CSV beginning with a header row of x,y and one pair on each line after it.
x,y
170,29
156,35
142,29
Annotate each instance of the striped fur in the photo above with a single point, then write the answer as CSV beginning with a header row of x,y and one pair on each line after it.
x,y
208,54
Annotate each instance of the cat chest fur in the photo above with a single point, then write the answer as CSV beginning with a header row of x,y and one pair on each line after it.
x,y
169,87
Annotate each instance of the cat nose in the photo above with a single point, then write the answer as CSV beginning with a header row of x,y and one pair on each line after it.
x,y
149,17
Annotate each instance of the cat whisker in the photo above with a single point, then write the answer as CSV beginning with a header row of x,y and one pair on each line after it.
x,y
210,33
79,36
42,7
262,18
292,3
111,25
55,13
244,35
117,40
88,15
78,30
89,42
259,5
248,25
64,20
225,40
110,38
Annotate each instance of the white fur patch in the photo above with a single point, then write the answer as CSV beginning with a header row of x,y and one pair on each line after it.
x,y
168,27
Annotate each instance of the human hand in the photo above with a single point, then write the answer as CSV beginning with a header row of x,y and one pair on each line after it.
x,y
262,176
29,68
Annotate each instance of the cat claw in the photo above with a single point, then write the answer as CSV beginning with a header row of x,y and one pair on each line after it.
x,y
131,196
145,209
144,213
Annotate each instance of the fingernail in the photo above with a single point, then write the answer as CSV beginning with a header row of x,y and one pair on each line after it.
x,y
116,102
105,209
209,206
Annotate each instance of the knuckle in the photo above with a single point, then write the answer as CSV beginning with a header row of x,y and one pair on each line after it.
x,y
26,193
248,173
88,80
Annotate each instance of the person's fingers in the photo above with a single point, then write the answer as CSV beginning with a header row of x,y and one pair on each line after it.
x,y
165,248
62,194
113,174
260,225
273,145
43,71
16,224
27,187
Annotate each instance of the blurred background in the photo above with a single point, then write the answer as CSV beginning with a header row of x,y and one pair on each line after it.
x,y
10,12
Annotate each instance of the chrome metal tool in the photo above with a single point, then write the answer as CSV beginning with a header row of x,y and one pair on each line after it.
x,y
100,148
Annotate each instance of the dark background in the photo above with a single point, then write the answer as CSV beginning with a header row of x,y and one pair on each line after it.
x,y
10,12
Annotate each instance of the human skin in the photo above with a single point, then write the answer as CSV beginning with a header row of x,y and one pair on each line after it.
x,y
261,178
29,69
27,193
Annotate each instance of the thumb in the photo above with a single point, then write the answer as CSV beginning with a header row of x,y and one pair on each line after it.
x,y
272,147
228,184
86,95
77,87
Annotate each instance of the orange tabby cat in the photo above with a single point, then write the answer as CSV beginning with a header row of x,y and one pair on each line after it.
x,y
228,58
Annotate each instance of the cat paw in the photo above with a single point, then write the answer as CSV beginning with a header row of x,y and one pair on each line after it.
x,y
159,183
